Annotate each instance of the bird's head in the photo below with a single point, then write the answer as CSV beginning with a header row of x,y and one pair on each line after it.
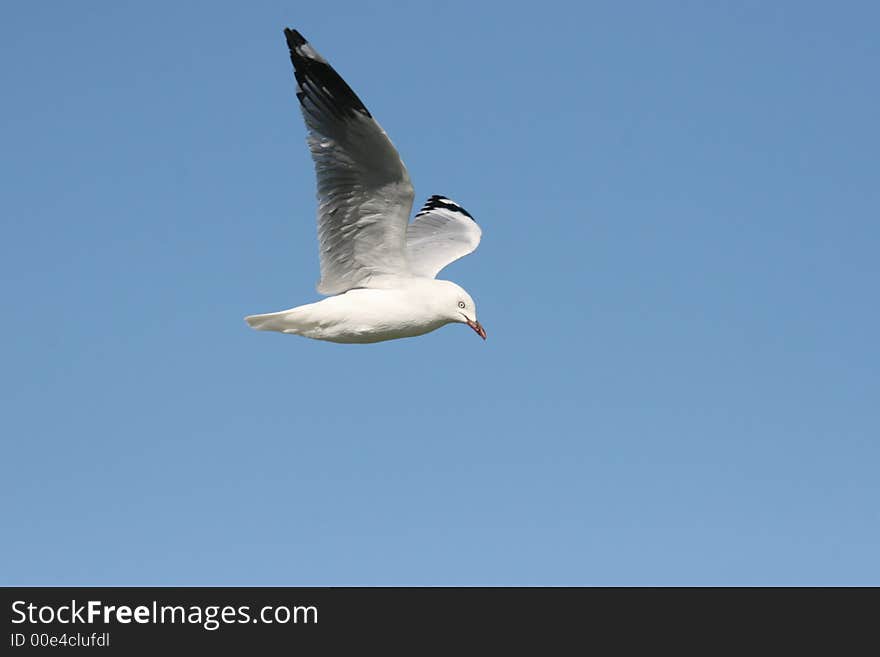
x,y
458,306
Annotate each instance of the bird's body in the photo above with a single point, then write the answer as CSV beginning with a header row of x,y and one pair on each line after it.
x,y
377,266
366,315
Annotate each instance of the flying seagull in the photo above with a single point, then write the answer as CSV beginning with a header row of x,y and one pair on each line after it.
x,y
377,268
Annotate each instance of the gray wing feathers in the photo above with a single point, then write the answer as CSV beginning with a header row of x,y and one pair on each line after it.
x,y
441,233
364,191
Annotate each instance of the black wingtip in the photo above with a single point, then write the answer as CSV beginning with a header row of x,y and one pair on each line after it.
x,y
318,81
438,202
294,38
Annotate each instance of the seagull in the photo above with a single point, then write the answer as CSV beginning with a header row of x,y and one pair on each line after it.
x,y
378,269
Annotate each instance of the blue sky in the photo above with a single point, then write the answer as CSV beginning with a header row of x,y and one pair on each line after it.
x,y
678,276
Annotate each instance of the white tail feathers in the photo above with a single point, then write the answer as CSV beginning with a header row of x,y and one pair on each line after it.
x,y
279,321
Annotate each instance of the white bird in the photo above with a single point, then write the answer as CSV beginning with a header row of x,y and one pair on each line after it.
x,y
379,268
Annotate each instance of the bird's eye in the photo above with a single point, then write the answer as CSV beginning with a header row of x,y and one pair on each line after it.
x,y
461,304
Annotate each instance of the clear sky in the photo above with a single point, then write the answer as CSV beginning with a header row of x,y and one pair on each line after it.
x,y
679,274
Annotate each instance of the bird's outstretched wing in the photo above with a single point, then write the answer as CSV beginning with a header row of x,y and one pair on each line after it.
x,y
364,191
441,233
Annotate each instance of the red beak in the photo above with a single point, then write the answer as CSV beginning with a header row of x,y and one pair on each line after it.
x,y
477,327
